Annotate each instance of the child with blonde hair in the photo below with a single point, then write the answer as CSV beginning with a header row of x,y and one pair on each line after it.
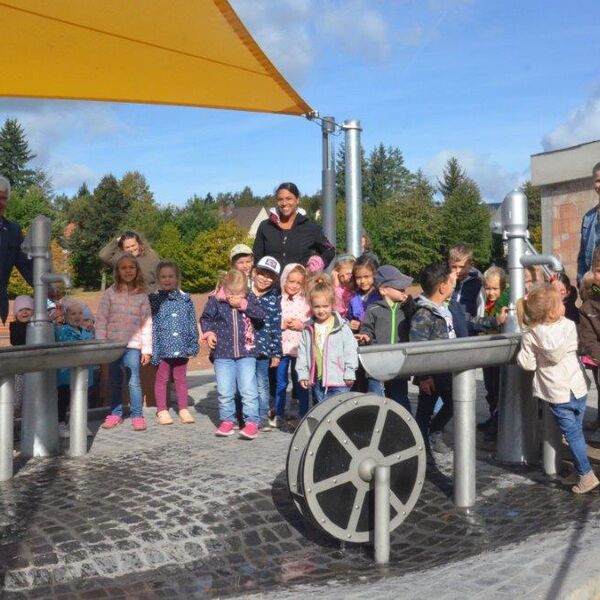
x,y
549,347
343,283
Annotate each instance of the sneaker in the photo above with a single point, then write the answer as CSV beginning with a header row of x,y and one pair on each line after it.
x,y
112,421
164,418
250,431
138,423
272,418
63,431
438,444
185,417
266,426
225,429
586,483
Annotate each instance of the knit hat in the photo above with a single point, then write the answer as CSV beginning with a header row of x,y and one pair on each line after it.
x,y
315,264
22,302
389,276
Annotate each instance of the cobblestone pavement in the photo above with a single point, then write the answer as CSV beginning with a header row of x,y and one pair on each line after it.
x,y
176,513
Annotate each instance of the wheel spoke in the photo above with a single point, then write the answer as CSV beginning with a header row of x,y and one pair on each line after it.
x,y
396,457
359,500
396,503
332,482
378,428
343,439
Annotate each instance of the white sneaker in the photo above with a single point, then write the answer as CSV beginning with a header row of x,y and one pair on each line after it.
x,y
63,431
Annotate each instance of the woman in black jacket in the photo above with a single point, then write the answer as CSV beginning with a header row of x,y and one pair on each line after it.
x,y
288,235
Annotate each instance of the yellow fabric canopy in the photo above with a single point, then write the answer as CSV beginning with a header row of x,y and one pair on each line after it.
x,y
185,52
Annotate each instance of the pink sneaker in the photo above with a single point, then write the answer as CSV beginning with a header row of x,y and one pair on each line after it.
x,y
138,423
112,421
225,429
250,431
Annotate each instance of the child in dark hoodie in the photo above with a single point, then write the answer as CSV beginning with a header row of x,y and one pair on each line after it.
x,y
387,321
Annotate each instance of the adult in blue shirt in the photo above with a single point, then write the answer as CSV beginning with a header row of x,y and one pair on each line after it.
x,y
590,231
11,254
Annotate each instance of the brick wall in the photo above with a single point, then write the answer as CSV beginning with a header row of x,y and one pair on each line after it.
x,y
568,202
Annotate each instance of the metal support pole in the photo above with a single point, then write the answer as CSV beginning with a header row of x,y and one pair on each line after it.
x,y
353,187
7,404
328,180
382,514
552,442
464,394
78,412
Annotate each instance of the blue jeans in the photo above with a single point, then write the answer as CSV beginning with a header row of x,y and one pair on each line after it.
x,y
569,417
240,373
130,361
396,389
320,393
282,383
262,383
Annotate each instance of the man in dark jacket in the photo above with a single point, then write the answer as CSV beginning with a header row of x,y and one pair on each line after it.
x,y
11,254
288,235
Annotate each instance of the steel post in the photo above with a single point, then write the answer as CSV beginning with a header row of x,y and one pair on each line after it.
x,y
328,180
78,412
7,404
353,183
552,442
464,394
382,514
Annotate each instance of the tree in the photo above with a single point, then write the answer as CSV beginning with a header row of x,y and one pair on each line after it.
x,y
26,204
15,154
195,217
534,213
453,176
386,175
143,211
466,219
98,221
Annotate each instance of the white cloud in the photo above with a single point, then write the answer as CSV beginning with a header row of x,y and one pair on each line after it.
x,y
582,125
66,175
493,179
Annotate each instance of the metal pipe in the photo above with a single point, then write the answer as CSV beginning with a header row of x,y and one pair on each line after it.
x,y
534,251
529,260
552,442
382,514
353,187
78,412
464,395
7,404
328,180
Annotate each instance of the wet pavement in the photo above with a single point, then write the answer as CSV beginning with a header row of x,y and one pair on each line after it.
x,y
176,513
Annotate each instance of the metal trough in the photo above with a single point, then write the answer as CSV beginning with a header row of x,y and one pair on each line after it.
x,y
27,359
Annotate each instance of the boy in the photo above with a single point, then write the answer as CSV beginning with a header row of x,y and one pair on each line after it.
x,y
468,279
268,333
437,317
387,321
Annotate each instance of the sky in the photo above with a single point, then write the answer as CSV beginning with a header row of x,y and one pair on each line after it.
x,y
489,82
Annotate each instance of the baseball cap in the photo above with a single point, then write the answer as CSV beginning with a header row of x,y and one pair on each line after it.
x,y
270,264
389,276
239,249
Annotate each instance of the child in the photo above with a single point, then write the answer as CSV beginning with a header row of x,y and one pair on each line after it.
x,y
327,353
533,275
294,311
468,278
568,293
174,341
549,348
88,318
496,300
363,274
124,316
343,283
71,331
23,311
242,259
387,322
268,334
228,322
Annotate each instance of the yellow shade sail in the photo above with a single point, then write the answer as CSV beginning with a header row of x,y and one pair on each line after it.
x,y
184,52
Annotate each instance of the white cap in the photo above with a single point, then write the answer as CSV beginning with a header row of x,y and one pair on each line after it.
x,y
270,264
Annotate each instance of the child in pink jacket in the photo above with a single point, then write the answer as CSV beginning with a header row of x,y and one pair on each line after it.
x,y
124,316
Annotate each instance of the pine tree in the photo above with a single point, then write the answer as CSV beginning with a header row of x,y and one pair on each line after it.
x,y
386,175
15,154
453,176
534,210
143,213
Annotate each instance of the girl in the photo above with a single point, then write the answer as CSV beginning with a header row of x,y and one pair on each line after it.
x,y
549,348
294,311
363,274
174,340
327,353
71,331
343,283
124,316
23,310
228,323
